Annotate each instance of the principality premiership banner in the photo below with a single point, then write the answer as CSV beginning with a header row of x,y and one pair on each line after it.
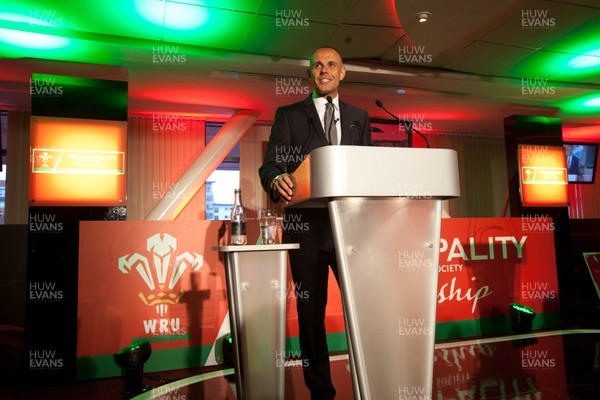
x,y
160,281
488,263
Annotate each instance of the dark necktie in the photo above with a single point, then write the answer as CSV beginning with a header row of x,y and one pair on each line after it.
x,y
330,128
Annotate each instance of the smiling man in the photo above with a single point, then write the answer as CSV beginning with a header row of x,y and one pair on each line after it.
x,y
326,71
321,119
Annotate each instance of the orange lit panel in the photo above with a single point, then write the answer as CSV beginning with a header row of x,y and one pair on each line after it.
x,y
543,176
77,162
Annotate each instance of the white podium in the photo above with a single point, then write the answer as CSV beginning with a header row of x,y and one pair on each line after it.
x,y
385,206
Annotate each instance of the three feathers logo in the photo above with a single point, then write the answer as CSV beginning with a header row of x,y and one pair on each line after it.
x,y
160,269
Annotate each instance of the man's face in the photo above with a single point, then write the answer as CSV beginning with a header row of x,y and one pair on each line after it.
x,y
326,71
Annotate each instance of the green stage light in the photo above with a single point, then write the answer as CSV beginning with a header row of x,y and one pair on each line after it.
x,y
227,349
132,359
522,308
521,318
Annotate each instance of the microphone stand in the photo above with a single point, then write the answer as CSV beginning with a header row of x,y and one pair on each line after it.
x,y
358,127
408,125
418,133
409,131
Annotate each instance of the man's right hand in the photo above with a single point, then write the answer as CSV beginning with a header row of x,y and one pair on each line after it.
x,y
285,186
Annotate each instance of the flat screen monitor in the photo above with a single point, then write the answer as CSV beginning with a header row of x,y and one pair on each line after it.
x,y
581,161
77,162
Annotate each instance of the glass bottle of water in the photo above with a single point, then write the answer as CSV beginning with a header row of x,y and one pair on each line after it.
x,y
238,220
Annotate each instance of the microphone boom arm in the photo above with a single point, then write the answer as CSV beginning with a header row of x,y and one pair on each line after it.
x,y
406,123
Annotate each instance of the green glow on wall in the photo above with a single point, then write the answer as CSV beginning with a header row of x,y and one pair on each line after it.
x,y
32,40
590,59
5,16
222,29
588,104
574,57
151,11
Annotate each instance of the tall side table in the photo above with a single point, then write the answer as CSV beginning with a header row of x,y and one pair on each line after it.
x,y
256,283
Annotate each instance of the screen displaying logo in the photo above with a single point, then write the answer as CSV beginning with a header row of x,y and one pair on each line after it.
x,y
543,176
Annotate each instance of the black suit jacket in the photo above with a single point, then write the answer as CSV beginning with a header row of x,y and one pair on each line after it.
x,y
297,130
574,166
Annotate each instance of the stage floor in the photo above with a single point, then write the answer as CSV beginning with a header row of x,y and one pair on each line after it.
x,y
548,365
545,365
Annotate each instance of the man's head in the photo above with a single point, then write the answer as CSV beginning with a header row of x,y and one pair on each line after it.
x,y
569,149
326,71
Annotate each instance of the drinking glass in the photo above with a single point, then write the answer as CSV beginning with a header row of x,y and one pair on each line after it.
x,y
268,226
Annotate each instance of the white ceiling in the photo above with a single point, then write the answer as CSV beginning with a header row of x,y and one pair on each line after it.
x,y
471,80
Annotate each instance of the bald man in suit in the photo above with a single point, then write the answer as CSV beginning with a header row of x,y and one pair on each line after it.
x,y
298,129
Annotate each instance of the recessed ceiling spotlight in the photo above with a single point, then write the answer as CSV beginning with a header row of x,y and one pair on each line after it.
x,y
423,16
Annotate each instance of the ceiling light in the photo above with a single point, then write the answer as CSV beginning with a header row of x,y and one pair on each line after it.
x,y
32,40
423,16
587,60
593,102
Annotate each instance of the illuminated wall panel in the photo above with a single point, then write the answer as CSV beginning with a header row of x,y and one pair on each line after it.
x,y
543,176
76,162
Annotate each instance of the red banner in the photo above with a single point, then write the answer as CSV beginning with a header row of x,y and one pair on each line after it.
x,y
161,280
488,263
152,279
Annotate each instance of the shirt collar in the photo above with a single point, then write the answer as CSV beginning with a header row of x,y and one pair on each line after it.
x,y
321,101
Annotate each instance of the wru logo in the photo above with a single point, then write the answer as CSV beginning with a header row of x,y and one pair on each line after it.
x,y
165,272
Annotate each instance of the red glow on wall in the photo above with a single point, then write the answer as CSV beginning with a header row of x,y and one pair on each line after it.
x,y
591,133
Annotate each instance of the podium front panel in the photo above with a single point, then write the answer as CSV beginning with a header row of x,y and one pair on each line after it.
x,y
388,253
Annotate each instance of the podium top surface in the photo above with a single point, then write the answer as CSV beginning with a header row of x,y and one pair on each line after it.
x,y
361,171
256,247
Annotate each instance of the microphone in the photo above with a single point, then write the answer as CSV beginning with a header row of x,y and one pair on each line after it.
x,y
333,121
406,123
402,121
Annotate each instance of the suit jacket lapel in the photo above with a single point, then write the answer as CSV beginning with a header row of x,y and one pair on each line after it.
x,y
311,111
346,122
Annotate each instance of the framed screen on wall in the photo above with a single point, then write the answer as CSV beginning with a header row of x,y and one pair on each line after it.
x,y
581,161
77,162
543,176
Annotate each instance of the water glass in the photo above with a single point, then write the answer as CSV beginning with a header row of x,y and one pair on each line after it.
x,y
268,226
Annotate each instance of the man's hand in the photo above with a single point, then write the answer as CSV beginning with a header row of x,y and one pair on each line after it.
x,y
285,186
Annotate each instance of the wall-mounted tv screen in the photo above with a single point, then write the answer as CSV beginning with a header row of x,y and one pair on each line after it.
x,y
581,161
77,162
